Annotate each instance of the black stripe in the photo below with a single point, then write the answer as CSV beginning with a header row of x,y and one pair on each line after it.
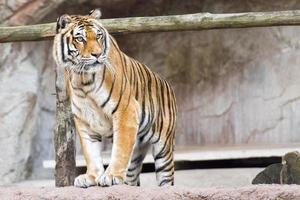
x,y
171,121
103,77
80,96
163,167
62,47
124,61
161,126
80,26
156,90
132,169
173,107
135,81
122,89
158,113
153,131
77,88
150,94
166,181
143,96
168,169
166,142
133,180
130,90
110,92
131,74
69,50
75,116
130,175
158,95
162,97
68,43
90,81
138,182
169,101
147,131
162,152
57,25
163,155
170,175
96,137
138,159
130,83
81,89
120,97
147,126
76,106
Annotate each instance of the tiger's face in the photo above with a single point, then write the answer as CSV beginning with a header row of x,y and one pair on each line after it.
x,y
83,42
87,42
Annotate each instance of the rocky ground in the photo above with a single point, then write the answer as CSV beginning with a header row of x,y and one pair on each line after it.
x,y
258,192
212,184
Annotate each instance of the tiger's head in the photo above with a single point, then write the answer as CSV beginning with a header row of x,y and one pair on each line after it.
x,y
81,43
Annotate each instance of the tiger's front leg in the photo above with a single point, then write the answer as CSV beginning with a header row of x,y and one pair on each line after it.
x,y
92,154
125,125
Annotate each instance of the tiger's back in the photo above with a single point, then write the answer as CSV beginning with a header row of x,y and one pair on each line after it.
x,y
115,95
157,121
156,100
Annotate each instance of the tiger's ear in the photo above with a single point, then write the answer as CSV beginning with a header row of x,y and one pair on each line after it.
x,y
96,14
62,22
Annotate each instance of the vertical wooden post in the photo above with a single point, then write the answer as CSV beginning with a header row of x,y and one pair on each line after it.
x,y
64,136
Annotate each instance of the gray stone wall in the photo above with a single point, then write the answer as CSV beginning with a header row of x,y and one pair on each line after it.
x,y
26,84
237,86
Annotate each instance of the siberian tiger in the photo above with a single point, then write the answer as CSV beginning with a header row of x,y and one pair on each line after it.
x,y
113,95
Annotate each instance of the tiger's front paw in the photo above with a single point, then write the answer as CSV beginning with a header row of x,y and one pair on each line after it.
x,y
84,181
108,179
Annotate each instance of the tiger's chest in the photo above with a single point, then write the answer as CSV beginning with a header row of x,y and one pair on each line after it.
x,y
85,105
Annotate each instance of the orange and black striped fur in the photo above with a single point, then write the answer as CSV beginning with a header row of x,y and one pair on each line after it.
x,y
113,95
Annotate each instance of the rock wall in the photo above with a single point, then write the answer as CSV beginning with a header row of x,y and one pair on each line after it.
x,y
26,82
237,86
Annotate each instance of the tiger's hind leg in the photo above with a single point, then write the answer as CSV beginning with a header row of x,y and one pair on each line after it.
x,y
136,163
163,160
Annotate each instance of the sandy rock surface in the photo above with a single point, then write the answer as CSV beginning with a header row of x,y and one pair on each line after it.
x,y
265,192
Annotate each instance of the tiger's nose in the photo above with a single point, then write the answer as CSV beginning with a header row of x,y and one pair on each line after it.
x,y
95,54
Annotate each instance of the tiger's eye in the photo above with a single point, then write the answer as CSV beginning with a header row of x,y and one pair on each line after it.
x,y
79,39
99,35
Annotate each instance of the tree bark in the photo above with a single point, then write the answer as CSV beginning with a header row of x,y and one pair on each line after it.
x,y
64,135
188,22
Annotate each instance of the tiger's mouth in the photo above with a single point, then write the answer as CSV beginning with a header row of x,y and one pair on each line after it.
x,y
93,61
92,65
88,61
89,64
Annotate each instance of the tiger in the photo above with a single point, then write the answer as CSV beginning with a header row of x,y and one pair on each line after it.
x,y
114,96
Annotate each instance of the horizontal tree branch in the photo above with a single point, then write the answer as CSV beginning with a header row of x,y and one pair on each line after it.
x,y
188,22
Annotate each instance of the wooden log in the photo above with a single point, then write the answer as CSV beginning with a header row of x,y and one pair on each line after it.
x,y
64,135
188,22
